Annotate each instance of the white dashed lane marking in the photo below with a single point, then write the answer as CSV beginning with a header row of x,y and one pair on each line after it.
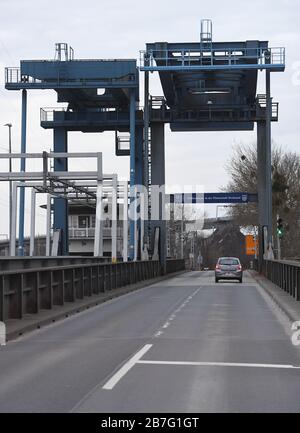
x,y
174,314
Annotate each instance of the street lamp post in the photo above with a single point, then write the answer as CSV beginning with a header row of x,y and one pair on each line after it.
x,y
9,125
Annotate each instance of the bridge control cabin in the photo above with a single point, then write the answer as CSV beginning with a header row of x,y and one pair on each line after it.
x,y
82,220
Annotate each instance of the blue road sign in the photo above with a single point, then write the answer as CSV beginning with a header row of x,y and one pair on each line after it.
x,y
213,197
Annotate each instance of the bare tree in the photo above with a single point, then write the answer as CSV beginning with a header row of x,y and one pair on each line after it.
x,y
285,191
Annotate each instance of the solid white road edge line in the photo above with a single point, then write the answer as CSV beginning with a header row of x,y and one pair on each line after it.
x,y
219,364
126,367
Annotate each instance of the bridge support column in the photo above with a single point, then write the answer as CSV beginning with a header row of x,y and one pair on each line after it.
x,y
22,169
48,225
125,221
60,205
32,222
132,241
98,242
139,180
158,189
269,159
147,180
264,188
264,178
261,188
114,212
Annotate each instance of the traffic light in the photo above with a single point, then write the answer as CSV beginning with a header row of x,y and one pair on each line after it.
x,y
280,227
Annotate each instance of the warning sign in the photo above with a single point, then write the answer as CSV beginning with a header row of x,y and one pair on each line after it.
x,y
251,245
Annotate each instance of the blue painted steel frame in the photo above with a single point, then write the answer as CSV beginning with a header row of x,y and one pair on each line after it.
x,y
22,168
60,205
279,67
132,172
73,76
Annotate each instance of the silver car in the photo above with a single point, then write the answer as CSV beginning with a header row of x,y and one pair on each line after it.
x,y
228,268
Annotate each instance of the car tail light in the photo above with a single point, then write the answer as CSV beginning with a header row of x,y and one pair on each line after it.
x,y
239,267
217,267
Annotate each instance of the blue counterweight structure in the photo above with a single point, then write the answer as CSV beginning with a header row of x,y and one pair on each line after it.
x,y
211,86
101,95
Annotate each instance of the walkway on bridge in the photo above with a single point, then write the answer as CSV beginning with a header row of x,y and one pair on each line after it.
x,y
182,345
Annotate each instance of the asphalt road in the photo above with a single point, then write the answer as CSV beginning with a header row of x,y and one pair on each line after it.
x,y
183,345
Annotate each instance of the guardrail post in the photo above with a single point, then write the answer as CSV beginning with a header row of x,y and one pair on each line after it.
x,y
128,273
73,285
97,282
110,277
90,280
57,287
31,295
115,269
79,283
105,278
102,273
68,285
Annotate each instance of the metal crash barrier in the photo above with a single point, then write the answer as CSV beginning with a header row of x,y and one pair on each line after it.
x,y
28,291
285,274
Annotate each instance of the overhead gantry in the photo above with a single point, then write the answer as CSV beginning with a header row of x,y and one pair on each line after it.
x,y
211,86
101,95
207,85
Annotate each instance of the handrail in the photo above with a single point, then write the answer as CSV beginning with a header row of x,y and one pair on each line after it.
x,y
232,56
283,273
27,291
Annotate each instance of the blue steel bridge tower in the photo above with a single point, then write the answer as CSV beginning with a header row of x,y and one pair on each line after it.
x,y
212,86
207,86
101,95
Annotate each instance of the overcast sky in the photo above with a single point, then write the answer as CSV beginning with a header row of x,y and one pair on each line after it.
x,y
119,29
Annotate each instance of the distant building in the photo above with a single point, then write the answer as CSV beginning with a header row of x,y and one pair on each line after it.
x,y
82,230
82,220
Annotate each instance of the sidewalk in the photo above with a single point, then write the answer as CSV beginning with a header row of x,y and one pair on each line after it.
x,y
287,303
30,322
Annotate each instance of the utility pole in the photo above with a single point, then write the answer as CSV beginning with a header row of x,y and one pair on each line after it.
x,y
181,238
256,241
193,251
9,125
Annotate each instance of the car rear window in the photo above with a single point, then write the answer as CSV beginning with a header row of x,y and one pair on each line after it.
x,y
229,262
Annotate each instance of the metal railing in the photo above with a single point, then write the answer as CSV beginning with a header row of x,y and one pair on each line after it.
x,y
13,75
285,274
89,232
47,114
105,115
262,103
175,265
28,291
160,112
169,58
